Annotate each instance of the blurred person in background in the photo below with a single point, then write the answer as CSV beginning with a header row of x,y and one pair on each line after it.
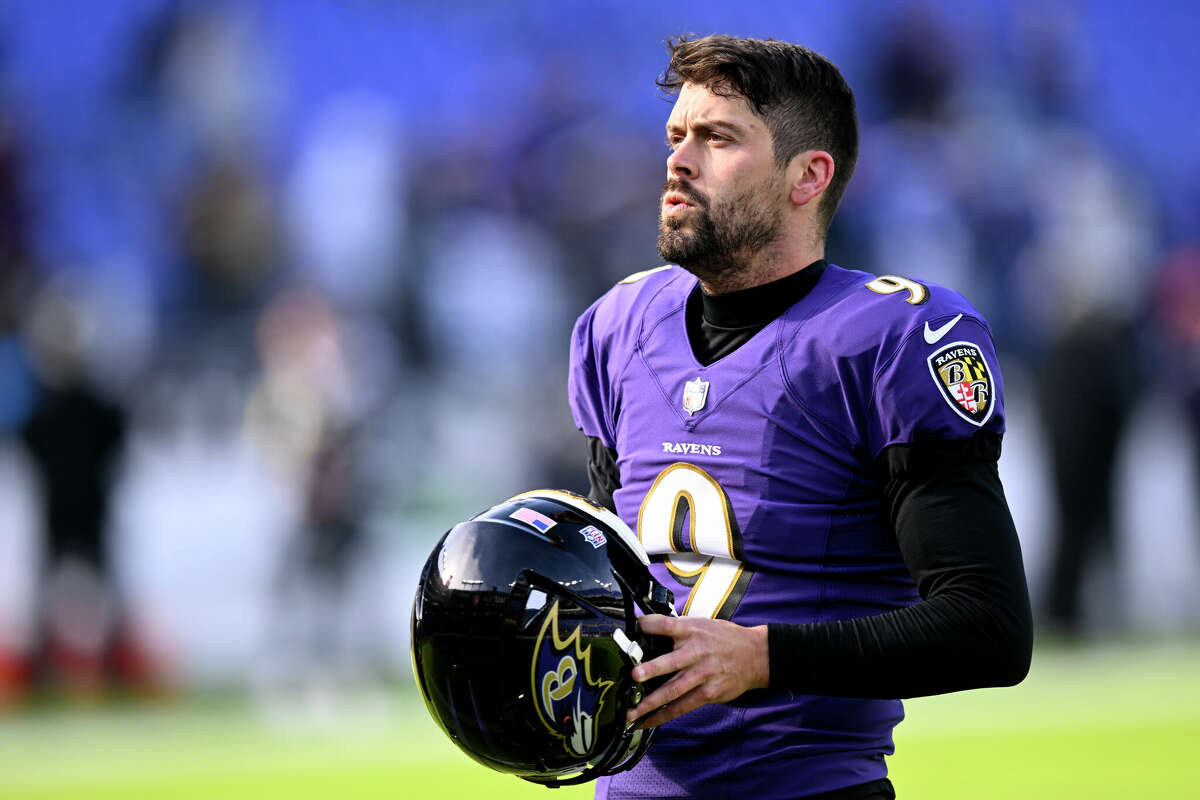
x,y
305,415
1081,281
75,437
202,514
81,639
996,186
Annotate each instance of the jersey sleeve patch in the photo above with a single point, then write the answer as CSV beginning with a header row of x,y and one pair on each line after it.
x,y
945,389
962,375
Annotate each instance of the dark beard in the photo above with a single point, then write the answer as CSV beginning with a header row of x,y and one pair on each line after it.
x,y
721,242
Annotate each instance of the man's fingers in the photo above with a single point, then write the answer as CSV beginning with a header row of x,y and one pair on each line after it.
x,y
713,661
688,702
670,691
659,625
663,665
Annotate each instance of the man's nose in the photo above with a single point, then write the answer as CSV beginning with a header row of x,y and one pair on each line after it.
x,y
681,161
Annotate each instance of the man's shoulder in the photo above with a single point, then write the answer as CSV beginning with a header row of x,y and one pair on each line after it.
x,y
658,290
665,273
867,312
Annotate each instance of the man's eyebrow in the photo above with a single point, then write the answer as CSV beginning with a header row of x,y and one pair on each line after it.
x,y
721,124
706,124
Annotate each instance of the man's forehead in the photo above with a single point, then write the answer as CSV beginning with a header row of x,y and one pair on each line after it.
x,y
699,104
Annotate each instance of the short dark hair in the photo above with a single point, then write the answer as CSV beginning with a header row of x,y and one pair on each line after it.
x,y
801,95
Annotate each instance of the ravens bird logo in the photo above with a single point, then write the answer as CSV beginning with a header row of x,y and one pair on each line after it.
x,y
568,699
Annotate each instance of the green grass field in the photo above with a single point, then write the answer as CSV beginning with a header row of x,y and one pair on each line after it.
x,y
1110,721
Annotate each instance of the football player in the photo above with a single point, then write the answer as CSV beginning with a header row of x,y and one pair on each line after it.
x,y
807,452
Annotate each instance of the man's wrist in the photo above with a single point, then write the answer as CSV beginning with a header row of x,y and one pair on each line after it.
x,y
762,648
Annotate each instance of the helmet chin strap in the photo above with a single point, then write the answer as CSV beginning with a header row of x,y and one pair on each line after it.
x,y
628,646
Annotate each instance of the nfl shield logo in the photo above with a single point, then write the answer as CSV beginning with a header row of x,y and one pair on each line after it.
x,y
694,394
594,536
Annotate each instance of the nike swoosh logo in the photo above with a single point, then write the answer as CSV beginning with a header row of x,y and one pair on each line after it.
x,y
933,336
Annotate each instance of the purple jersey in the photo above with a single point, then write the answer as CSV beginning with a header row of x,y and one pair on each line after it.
x,y
749,482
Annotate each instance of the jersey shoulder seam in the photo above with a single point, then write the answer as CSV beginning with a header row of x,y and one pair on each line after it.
x,y
885,363
642,325
783,366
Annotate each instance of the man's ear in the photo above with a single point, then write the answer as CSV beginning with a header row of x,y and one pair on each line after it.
x,y
813,170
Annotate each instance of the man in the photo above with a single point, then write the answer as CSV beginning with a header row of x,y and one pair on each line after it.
x,y
808,453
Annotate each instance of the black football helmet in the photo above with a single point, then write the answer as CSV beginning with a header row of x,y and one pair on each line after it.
x,y
525,634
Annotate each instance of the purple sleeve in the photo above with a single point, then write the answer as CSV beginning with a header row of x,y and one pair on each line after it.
x,y
584,390
949,389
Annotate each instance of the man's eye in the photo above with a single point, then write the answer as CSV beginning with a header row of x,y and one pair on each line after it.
x,y
716,137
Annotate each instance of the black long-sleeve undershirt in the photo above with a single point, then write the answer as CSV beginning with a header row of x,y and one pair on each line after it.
x,y
973,626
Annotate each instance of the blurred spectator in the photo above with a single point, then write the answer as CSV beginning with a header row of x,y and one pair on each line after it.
x,y
993,188
1082,298
304,414
1083,278
230,240
74,436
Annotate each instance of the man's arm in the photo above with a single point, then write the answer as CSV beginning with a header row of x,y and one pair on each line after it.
x,y
603,476
972,628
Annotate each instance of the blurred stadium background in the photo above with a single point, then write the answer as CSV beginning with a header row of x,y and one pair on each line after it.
x,y
285,290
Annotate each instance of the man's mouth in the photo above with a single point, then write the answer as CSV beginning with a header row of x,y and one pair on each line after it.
x,y
676,203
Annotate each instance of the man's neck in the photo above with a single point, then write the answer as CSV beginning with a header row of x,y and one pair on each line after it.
x,y
769,264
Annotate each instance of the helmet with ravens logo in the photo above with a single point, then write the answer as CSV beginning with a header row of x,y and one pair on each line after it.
x,y
525,635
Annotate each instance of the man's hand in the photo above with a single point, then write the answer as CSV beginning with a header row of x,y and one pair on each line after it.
x,y
714,661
